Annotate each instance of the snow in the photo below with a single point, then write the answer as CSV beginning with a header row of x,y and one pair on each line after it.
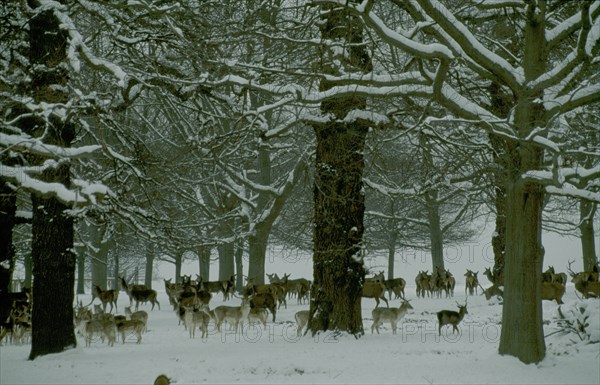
x,y
416,355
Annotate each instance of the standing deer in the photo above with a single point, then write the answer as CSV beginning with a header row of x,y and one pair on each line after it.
x,y
451,317
393,315
139,293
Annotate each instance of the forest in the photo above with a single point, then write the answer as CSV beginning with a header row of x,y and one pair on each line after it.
x,y
138,130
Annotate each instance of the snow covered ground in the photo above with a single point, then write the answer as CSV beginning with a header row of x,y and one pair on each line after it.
x,y
416,355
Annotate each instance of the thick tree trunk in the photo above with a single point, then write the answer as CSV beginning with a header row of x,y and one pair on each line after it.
x,y
587,211
52,229
393,237
257,249
338,189
522,331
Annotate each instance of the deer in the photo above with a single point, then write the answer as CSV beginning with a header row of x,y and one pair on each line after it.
x,y
491,291
301,320
393,315
451,317
138,315
396,286
374,290
422,283
264,301
585,282
105,296
232,314
471,282
258,314
131,326
99,328
139,293
553,291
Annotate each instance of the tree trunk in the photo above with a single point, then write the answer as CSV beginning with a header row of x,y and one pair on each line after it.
x,y
522,331
204,262
149,265
435,230
239,266
257,249
99,254
226,260
501,105
587,211
178,261
116,284
338,189
52,229
8,209
80,273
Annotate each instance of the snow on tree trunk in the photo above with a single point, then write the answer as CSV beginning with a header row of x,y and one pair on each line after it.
x,y
52,229
338,188
8,207
522,333
587,210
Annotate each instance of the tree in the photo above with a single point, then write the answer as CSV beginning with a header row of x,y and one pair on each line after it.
x,y
544,89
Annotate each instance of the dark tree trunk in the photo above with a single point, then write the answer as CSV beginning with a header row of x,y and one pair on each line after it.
x,y
8,208
435,230
80,273
178,262
338,189
501,104
226,260
257,249
522,330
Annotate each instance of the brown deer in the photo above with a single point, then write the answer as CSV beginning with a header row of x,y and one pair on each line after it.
x,y
105,296
553,291
139,293
374,290
162,380
471,282
451,317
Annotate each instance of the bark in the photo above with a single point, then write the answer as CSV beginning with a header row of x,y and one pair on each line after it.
x,y
204,262
99,254
522,331
226,260
239,266
435,230
501,104
338,190
587,211
178,261
80,273
149,265
8,208
257,249
52,229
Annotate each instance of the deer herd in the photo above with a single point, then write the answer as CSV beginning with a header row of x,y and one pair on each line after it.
x,y
190,300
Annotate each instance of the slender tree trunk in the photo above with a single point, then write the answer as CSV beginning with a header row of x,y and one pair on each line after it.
x,y
149,265
239,266
338,189
587,211
204,262
392,239
80,273
435,230
8,208
178,261
522,330
116,284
